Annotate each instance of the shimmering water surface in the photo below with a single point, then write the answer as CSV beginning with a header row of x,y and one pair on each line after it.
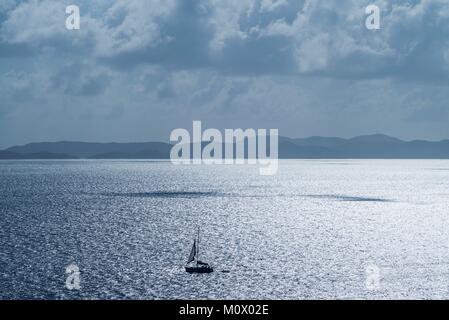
x,y
311,231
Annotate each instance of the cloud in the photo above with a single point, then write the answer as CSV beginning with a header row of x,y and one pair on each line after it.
x,y
138,68
130,26
34,21
80,79
247,37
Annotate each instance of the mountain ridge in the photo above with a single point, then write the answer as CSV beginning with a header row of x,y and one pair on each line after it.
x,y
377,146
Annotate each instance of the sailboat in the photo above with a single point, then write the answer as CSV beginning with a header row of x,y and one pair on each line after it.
x,y
194,265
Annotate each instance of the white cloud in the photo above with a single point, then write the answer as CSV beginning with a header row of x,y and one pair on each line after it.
x,y
34,21
270,5
133,25
313,54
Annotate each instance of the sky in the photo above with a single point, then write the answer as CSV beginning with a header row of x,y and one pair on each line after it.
x,y
137,69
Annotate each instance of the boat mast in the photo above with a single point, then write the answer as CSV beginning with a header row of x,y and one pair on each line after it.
x,y
198,247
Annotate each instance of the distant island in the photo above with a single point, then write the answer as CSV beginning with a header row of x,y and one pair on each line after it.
x,y
376,146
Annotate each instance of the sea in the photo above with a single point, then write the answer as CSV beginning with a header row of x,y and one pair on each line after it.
x,y
318,229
